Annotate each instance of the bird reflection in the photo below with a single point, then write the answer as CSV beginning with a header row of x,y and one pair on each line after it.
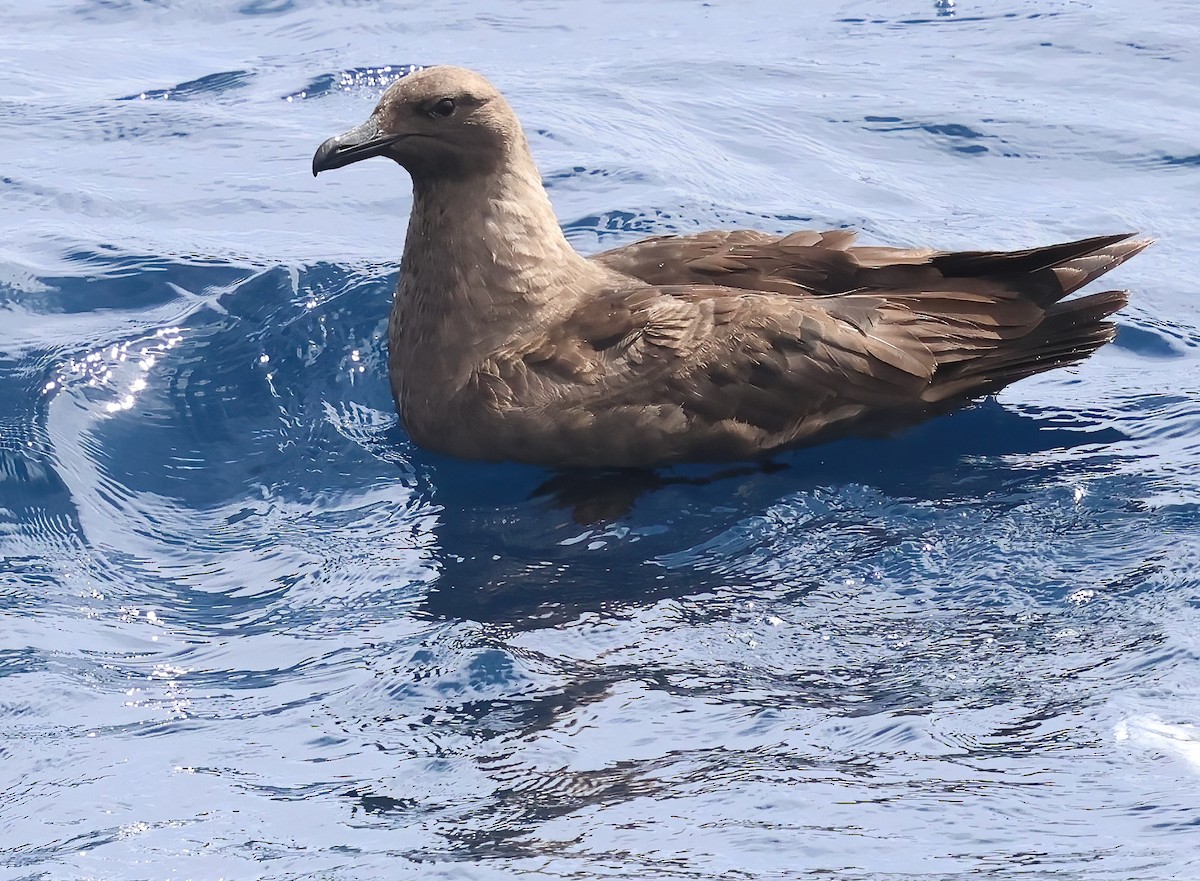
x,y
526,548
604,496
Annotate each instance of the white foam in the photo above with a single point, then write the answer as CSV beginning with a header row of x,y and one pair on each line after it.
x,y
1151,732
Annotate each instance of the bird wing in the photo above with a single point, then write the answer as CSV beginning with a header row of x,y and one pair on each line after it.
x,y
808,263
802,263
724,372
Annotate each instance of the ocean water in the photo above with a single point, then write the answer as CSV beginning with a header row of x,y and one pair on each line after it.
x,y
249,630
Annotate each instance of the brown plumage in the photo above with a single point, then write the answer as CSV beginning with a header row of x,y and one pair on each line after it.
x,y
507,344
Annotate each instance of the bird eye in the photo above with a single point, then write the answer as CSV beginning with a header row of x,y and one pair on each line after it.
x,y
442,108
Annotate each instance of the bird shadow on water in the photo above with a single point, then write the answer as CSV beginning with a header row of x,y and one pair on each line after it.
x,y
530,548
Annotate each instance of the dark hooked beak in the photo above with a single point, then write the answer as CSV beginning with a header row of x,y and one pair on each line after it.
x,y
362,142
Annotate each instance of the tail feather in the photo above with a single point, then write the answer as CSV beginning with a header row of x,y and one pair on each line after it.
x,y
968,264
1045,275
1083,310
1070,331
1074,274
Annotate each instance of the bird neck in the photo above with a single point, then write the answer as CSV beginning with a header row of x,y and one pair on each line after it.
x,y
485,261
489,243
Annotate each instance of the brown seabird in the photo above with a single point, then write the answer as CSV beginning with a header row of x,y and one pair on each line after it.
x,y
507,344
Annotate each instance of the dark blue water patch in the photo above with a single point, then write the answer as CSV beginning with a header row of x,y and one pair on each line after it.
x,y
1146,342
1151,160
267,7
16,662
1158,53
1158,161
491,667
210,84
953,130
949,135
118,280
27,855
353,80
373,804
616,224
1192,161
32,486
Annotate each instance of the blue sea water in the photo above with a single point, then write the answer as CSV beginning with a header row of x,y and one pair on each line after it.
x,y
249,630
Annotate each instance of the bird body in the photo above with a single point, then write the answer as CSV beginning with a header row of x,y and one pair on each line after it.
x,y
506,344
